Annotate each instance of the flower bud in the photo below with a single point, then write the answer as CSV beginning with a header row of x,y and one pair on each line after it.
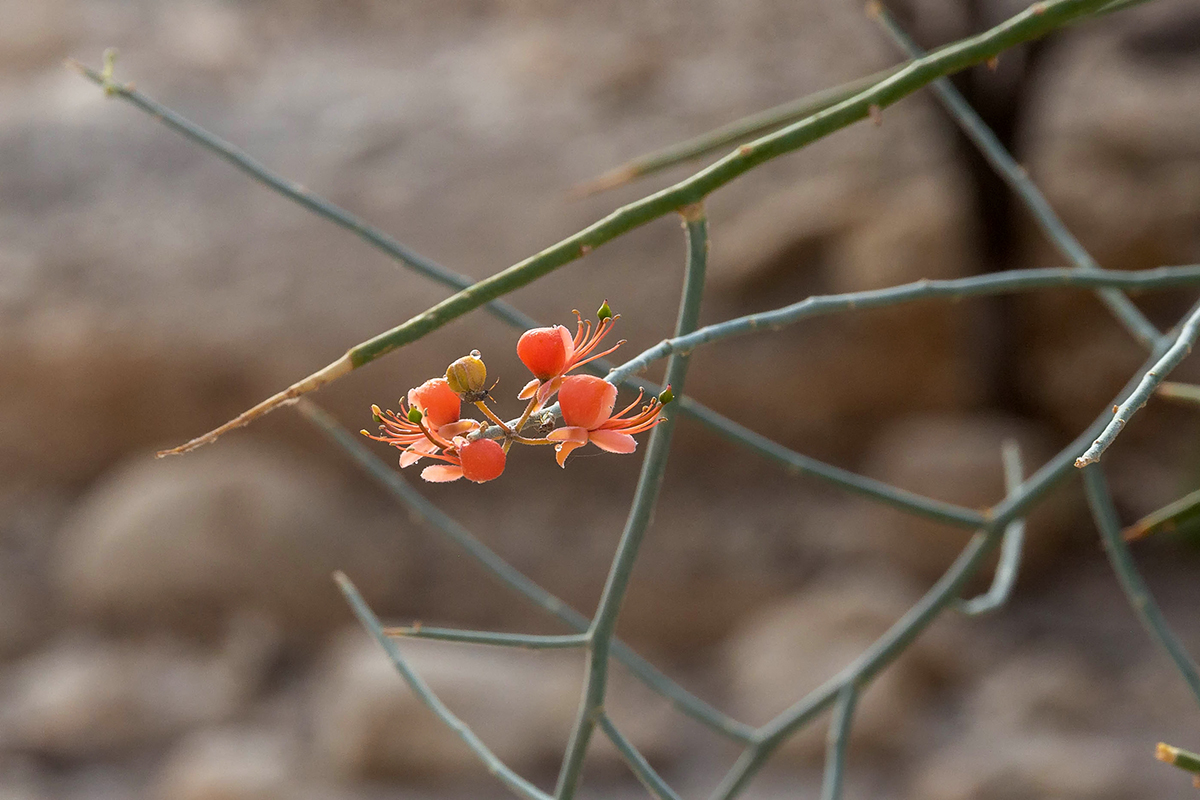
x,y
467,377
666,395
415,415
482,460
545,351
604,312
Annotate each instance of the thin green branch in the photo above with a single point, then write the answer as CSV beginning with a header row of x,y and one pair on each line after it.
x,y
645,497
636,761
737,131
1019,181
418,686
866,666
295,192
1182,345
994,283
527,641
1036,21
1010,548
1173,390
1178,757
753,125
838,742
1136,591
427,512
1167,518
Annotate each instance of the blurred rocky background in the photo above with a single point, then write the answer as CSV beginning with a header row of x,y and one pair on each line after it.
x,y
169,630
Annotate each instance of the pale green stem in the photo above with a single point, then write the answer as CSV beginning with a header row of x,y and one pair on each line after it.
x,y
737,131
1179,391
418,686
1009,282
1135,588
1010,548
636,761
1180,348
1019,181
838,742
427,512
527,641
644,500
1168,517
1178,757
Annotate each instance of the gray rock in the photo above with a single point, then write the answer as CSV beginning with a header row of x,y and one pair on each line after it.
x,y
232,763
522,704
189,541
88,698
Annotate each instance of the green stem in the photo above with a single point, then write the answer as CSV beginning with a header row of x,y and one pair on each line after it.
x,y
838,742
1180,348
1019,181
737,131
1179,391
527,641
1135,588
418,686
1178,757
1008,282
636,761
1010,548
644,500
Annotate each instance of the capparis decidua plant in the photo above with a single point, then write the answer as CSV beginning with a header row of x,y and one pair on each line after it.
x,y
429,424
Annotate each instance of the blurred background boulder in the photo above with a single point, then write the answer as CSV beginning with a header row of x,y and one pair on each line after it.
x,y
169,630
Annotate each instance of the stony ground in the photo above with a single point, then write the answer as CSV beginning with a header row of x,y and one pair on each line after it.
x,y
169,630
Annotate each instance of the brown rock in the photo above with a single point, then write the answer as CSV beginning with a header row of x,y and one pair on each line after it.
x,y
955,459
187,541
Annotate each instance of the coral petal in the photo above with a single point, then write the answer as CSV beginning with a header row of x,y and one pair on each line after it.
x,y
568,434
613,442
547,390
565,449
530,389
441,474
457,428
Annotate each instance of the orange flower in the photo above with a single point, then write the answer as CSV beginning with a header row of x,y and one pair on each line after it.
x,y
550,353
437,422
587,404
436,401
479,461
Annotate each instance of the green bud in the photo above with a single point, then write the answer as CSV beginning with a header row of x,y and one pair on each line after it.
x,y
415,415
604,312
666,396
468,376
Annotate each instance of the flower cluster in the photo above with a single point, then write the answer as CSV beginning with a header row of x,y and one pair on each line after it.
x,y
430,424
